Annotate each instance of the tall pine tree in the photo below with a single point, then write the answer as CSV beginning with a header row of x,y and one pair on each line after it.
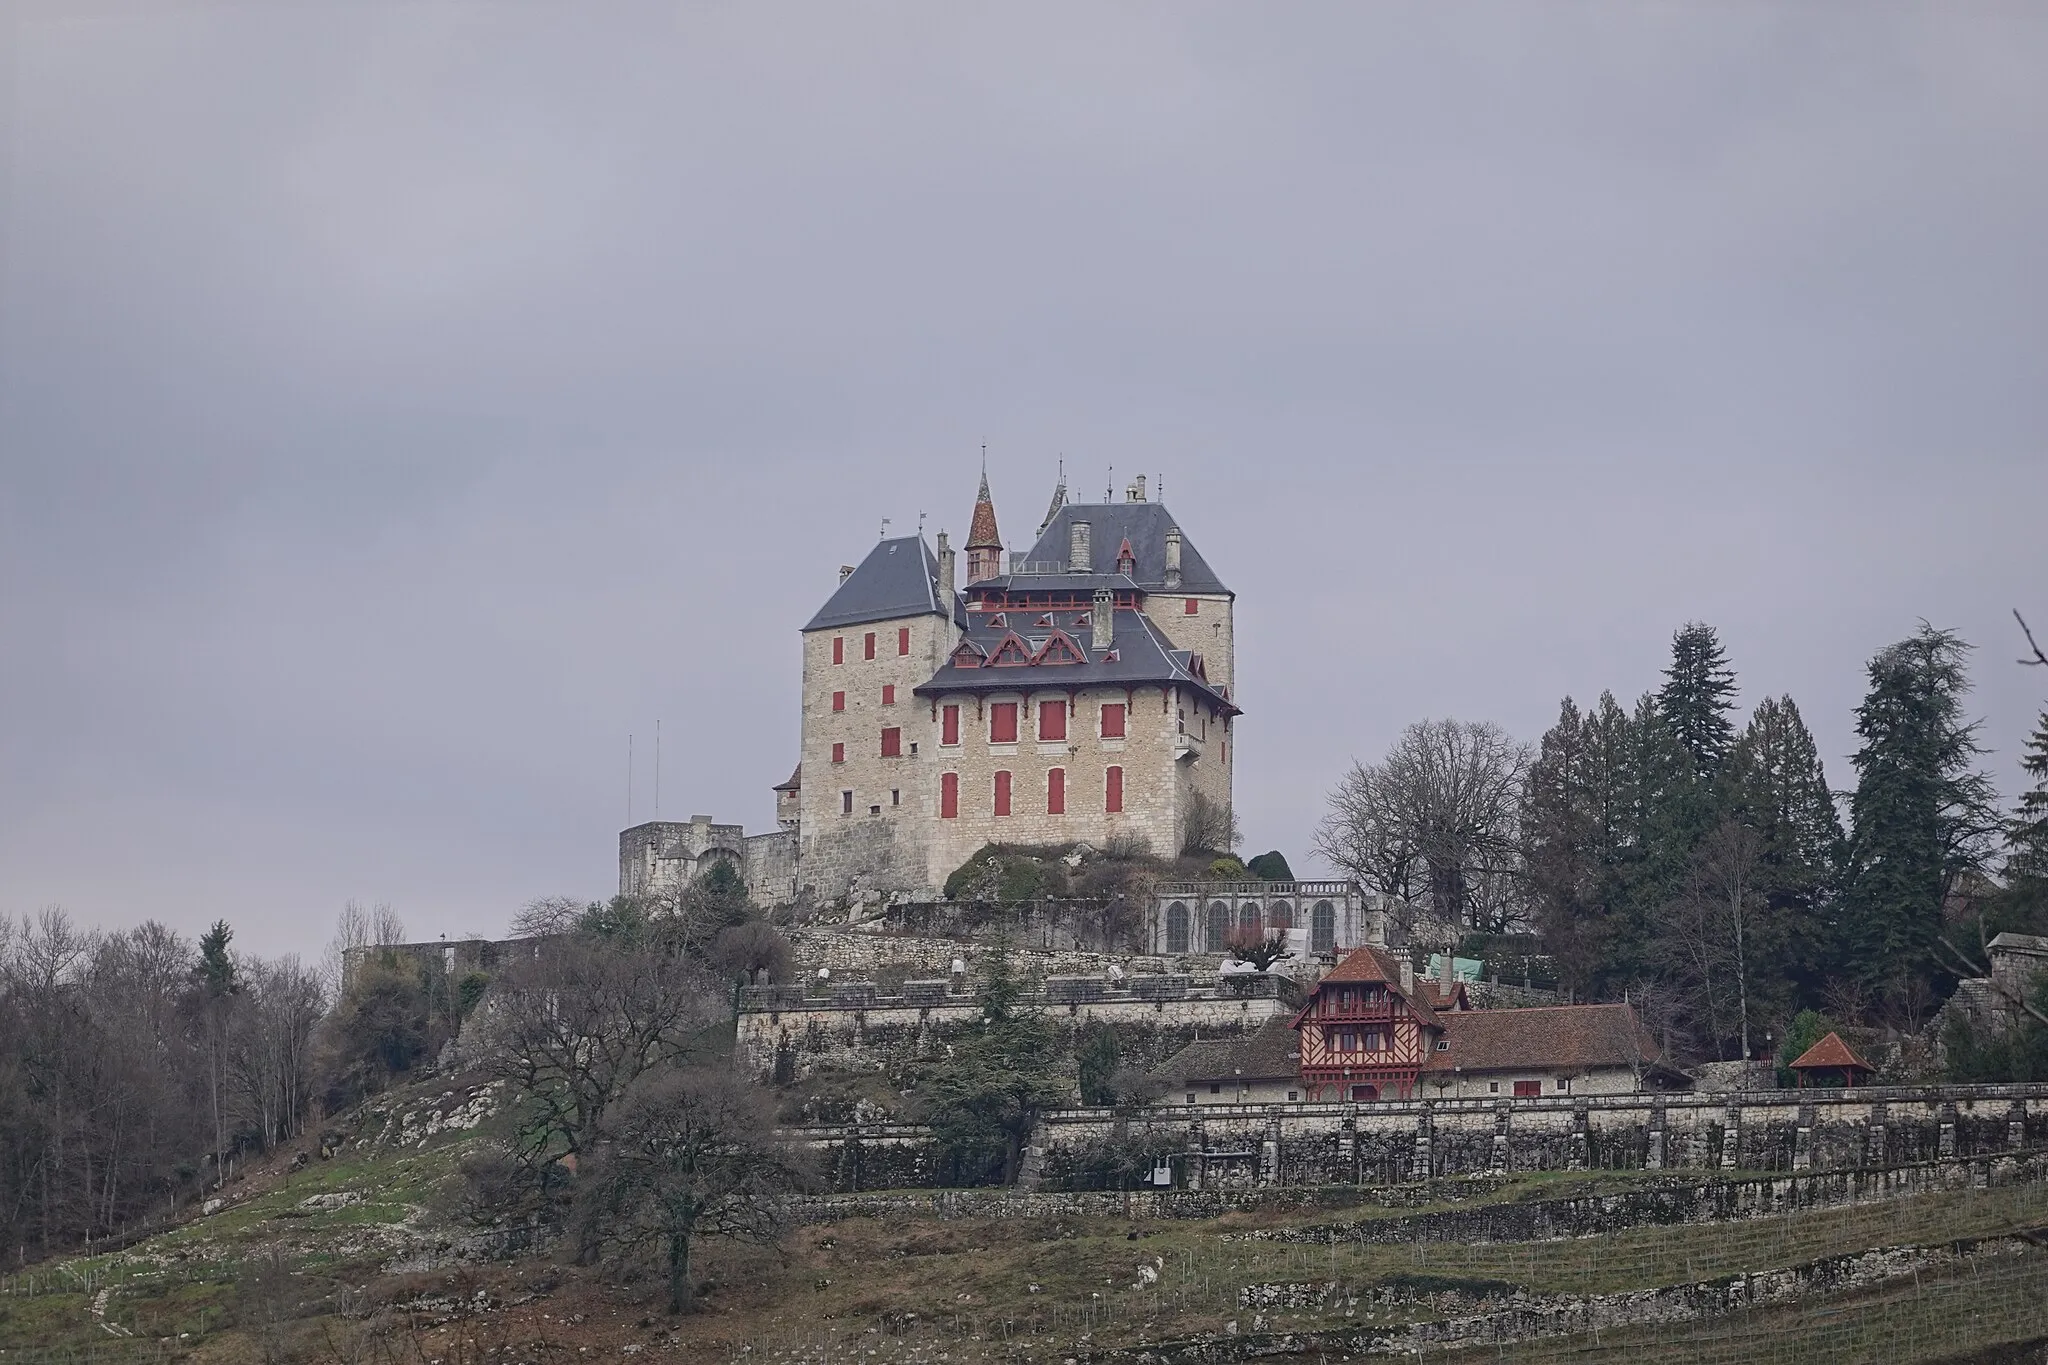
x,y
1921,814
1580,819
1778,788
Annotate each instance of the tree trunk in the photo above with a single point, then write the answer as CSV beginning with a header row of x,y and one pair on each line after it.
x,y
679,1272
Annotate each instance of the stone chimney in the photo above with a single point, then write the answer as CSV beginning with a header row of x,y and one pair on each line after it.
x,y
1172,557
1136,492
1079,557
1102,621
1407,976
1449,974
945,574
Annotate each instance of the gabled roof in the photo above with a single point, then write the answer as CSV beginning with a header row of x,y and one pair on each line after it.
x,y
1376,967
1144,525
1138,656
898,578
1274,1052
1830,1053
795,783
1554,1037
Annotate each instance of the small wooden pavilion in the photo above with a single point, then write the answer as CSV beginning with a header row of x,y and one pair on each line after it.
x,y
1829,1059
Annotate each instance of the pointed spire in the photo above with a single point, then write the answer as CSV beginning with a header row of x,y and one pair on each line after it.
x,y
1059,499
984,544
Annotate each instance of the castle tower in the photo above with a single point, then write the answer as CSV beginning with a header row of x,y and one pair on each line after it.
x,y
984,545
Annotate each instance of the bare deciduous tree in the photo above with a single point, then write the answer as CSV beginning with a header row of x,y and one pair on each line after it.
x,y
688,1153
1435,819
1208,826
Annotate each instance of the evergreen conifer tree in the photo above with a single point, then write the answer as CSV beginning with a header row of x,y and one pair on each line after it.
x,y
1778,787
1698,697
1580,818
1921,813
2026,838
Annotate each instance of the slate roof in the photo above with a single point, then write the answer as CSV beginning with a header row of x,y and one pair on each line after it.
x,y
1144,524
1272,1053
1830,1053
1552,1038
1138,655
898,578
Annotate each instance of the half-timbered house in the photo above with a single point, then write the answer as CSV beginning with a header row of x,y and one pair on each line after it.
x,y
1369,1028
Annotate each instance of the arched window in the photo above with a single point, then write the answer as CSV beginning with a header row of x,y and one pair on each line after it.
x,y
1219,927
1176,928
1322,928
1279,915
1248,919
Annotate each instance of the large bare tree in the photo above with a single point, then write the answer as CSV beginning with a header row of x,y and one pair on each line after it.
x,y
1435,820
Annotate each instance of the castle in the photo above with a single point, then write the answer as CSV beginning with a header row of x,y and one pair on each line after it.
x,y
1079,692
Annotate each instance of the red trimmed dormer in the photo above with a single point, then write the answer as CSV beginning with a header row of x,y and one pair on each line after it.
x,y
1366,1031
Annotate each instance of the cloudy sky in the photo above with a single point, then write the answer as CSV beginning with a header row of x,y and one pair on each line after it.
x,y
400,404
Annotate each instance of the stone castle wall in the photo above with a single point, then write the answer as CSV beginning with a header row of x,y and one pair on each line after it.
x,y
1240,1147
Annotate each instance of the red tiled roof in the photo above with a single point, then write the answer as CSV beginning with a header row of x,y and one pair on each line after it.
x,y
982,534
1831,1052
1552,1037
1378,966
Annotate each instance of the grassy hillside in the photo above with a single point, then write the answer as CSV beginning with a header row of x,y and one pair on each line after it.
x,y
365,1257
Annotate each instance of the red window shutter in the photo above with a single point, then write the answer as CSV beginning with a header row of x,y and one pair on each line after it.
x,y
949,796
839,753
1191,607
949,721
838,701
903,639
839,649
1002,723
892,742
871,644
1056,792
1002,793
1113,720
1525,1090
1113,791
1052,720
888,694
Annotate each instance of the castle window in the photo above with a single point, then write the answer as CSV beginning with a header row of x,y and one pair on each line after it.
x,y
839,753
1113,792
1191,608
1248,919
1052,720
846,803
1112,720
888,694
1322,928
895,796
1056,791
903,639
838,701
839,649
871,644
1002,793
949,725
892,742
1176,925
949,796
1280,915
1219,927
1002,722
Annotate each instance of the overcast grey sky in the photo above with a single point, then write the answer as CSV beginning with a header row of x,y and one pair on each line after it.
x,y
401,403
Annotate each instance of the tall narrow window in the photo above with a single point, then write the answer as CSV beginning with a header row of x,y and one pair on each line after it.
x,y
1112,720
1056,791
871,645
1002,793
1177,928
839,753
1113,791
892,742
846,803
1052,720
1002,722
949,725
1322,928
903,639
888,694
949,796
839,649
838,701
